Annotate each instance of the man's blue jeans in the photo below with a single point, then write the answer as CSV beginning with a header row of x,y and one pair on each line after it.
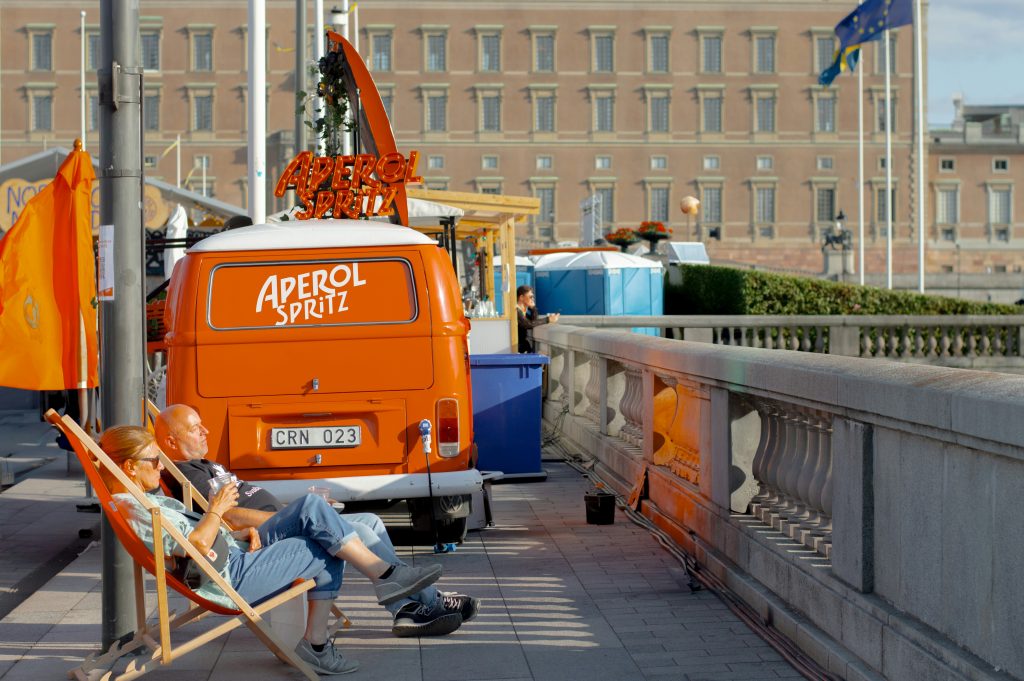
x,y
301,541
373,533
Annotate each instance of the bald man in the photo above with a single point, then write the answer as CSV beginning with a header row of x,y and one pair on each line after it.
x,y
181,435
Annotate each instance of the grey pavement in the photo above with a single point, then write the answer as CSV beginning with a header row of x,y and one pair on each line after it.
x,y
561,600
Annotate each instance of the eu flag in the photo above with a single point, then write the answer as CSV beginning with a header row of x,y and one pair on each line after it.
x,y
864,24
870,19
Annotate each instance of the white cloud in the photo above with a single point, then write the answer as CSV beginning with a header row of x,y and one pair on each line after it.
x,y
977,28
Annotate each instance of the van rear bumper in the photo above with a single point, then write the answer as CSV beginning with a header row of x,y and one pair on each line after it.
x,y
373,487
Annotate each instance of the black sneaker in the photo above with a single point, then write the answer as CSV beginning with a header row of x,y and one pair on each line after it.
x,y
416,619
460,603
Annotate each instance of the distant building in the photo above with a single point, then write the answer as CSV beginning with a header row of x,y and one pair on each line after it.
x,y
976,170
642,103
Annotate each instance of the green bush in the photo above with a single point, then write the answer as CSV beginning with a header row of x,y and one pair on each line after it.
x,y
728,291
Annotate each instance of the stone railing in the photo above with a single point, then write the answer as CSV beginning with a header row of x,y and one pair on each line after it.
x,y
969,341
863,507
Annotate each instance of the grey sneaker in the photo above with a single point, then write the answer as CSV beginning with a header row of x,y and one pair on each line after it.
x,y
465,605
405,580
416,619
327,662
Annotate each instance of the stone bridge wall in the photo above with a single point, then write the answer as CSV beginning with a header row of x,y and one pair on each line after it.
x,y
864,507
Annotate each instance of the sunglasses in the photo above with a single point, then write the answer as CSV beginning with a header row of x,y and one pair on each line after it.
x,y
154,460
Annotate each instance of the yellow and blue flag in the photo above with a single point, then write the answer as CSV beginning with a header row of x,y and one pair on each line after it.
x,y
864,24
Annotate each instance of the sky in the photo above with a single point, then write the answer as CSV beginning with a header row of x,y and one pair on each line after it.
x,y
974,48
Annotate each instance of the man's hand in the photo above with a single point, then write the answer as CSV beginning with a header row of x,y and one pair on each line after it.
x,y
553,317
225,499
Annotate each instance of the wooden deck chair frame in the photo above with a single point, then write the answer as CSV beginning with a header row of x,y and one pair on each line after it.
x,y
157,636
192,498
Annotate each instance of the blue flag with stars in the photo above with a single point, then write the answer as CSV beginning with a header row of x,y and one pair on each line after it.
x,y
864,24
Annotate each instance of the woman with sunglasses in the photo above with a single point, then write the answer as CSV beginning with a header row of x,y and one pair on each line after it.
x,y
307,540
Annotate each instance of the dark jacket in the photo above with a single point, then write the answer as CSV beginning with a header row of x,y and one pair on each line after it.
x,y
526,323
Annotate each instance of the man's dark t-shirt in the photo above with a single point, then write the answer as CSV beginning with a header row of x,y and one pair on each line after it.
x,y
200,471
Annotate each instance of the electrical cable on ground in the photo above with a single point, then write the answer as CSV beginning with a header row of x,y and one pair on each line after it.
x,y
789,651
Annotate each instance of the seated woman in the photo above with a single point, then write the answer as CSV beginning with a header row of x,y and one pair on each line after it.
x,y
307,540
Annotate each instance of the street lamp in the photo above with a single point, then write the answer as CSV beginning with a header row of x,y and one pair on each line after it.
x,y
339,19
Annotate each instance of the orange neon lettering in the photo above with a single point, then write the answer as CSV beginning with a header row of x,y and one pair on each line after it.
x,y
308,199
371,199
324,201
295,174
391,168
323,166
410,173
347,204
362,171
387,204
340,181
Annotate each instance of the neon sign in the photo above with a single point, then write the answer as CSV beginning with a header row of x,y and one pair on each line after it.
x,y
350,186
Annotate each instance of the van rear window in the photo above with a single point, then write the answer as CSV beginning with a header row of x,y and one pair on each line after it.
x,y
311,293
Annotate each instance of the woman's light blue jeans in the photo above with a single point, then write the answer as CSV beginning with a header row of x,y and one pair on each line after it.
x,y
299,542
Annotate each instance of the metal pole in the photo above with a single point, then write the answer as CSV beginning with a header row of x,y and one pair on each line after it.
x,y
860,172
888,162
300,71
318,52
355,25
177,172
919,77
120,205
81,79
346,138
258,111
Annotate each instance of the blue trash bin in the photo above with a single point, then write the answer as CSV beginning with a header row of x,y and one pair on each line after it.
x,y
506,413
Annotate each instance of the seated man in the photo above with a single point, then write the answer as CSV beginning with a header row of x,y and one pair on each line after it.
x,y
182,437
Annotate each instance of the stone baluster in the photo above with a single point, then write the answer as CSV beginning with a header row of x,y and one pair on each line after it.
x,y
901,342
592,391
632,408
933,343
919,343
972,341
556,391
758,467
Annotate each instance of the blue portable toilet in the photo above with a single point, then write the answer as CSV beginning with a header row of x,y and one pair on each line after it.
x,y
600,283
524,276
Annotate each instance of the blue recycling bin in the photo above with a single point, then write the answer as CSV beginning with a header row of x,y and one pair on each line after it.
x,y
506,413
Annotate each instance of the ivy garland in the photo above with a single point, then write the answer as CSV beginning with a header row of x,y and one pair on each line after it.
x,y
331,120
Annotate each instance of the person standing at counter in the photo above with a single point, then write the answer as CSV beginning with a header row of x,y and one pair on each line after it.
x,y
526,313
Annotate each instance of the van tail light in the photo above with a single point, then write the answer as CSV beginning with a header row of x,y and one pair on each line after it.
x,y
448,427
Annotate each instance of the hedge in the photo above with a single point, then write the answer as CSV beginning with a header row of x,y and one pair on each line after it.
x,y
707,289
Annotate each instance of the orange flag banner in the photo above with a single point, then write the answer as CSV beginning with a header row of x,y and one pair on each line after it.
x,y
48,286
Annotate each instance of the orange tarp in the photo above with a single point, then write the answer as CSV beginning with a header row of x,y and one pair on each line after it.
x,y
48,286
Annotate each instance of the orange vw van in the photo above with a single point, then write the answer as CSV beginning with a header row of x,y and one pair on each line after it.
x,y
314,350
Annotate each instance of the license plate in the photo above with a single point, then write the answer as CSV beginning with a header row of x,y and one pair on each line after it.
x,y
315,437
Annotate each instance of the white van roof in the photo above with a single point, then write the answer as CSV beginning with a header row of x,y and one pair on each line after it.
x,y
311,234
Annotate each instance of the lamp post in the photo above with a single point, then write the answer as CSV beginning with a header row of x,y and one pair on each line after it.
x,y
839,238
689,205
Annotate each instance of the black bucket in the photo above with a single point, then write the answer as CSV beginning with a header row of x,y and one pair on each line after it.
x,y
600,508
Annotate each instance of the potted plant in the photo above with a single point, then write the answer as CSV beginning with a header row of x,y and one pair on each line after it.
x,y
652,232
623,237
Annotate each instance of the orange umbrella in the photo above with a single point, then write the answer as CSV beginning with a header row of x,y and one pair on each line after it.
x,y
48,286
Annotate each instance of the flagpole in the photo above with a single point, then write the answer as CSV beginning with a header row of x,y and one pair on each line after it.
x,y
888,160
860,171
257,189
919,78
81,78
178,155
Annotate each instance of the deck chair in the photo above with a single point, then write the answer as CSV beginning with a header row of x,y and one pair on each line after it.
x,y
157,636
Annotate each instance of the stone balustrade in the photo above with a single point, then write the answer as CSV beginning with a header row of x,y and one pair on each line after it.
x,y
865,508
968,341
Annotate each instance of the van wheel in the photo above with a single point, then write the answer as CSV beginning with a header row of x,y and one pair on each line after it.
x,y
452,530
